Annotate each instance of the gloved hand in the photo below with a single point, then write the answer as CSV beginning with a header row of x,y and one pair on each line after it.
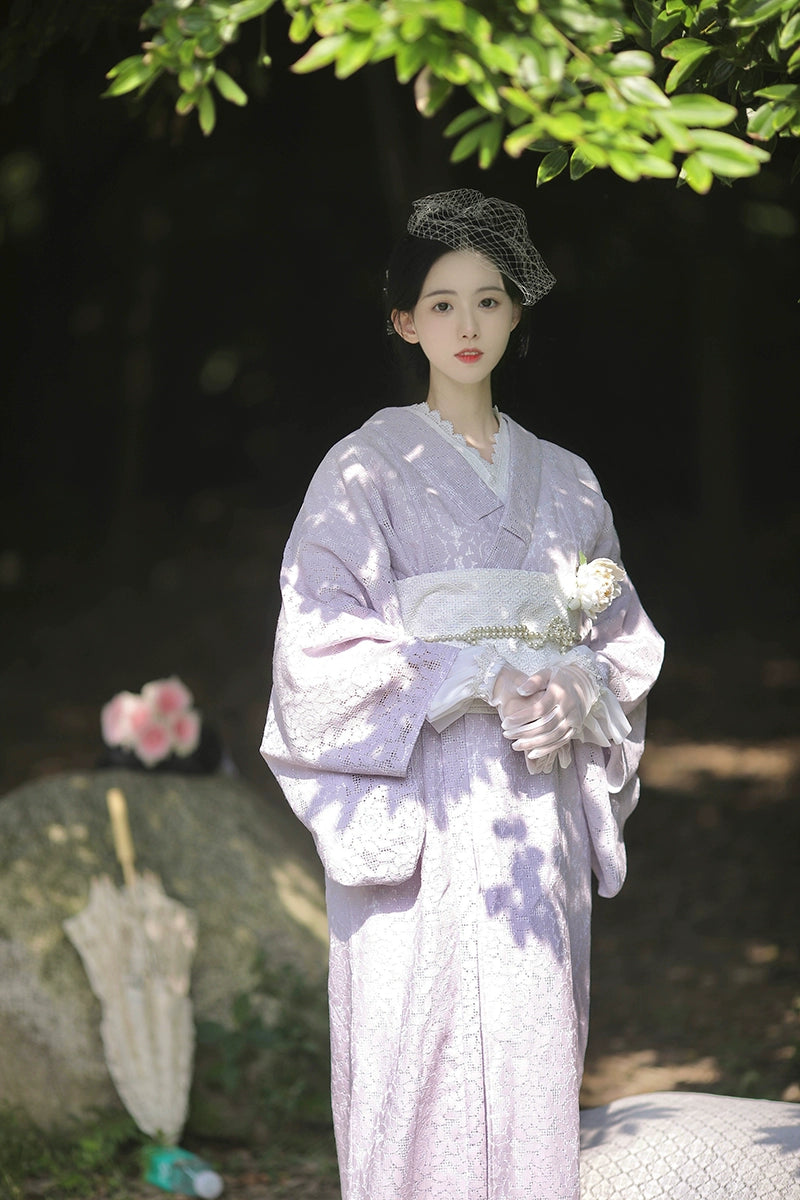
x,y
544,712
511,696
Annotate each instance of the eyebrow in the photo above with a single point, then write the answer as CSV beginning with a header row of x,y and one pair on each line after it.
x,y
491,287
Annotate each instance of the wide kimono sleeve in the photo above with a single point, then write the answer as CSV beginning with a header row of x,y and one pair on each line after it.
x,y
350,688
630,652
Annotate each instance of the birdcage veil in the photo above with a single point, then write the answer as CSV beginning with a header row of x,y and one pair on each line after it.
x,y
465,219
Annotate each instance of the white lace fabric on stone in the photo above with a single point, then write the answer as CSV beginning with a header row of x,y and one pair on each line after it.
x,y
687,1146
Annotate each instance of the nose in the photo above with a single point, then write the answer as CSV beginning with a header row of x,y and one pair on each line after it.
x,y
468,326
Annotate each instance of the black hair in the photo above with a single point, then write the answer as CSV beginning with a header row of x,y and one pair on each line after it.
x,y
409,264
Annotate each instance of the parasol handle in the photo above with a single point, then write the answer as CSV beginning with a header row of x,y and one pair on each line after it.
x,y
121,831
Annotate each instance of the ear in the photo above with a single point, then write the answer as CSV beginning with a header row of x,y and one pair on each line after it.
x,y
517,316
404,325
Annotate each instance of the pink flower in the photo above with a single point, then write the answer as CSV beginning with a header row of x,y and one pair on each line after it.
x,y
139,715
154,724
153,743
185,730
167,697
116,719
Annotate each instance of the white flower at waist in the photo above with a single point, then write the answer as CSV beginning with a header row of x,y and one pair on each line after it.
x,y
596,585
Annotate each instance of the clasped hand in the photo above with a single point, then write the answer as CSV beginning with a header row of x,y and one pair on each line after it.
x,y
542,712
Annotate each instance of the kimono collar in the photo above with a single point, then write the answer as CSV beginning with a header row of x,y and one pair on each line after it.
x,y
448,472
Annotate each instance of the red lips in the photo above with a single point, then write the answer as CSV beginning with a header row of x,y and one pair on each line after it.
x,y
469,356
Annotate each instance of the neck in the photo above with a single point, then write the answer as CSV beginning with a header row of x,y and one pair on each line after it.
x,y
468,409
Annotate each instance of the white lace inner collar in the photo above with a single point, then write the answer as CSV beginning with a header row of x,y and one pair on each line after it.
x,y
494,473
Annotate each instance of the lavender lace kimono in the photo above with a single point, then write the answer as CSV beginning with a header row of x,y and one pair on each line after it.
x,y
458,884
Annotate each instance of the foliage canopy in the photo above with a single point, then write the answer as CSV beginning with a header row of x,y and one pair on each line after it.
x,y
645,87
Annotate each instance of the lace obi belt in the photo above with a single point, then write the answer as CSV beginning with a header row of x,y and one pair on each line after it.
x,y
522,615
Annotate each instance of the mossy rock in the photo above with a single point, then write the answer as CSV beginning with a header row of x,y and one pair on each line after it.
x,y
237,858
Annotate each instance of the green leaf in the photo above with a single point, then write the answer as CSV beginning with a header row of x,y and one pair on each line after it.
x,y
413,28
676,134
579,164
638,89
761,124
467,144
594,154
188,79
521,100
355,54
631,62
321,54
787,115
521,139
790,32
362,18
551,165
691,110
490,142
757,11
624,164
697,174
726,155
409,59
229,89
656,167
686,53
450,15
185,103
486,94
497,58
682,71
565,127
460,69
686,47
195,22
463,121
206,111
245,10
301,26
135,62
477,27
780,91
130,74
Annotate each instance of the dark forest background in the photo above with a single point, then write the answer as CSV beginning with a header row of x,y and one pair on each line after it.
x,y
189,323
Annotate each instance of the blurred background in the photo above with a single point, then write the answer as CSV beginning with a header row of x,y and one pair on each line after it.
x,y
189,323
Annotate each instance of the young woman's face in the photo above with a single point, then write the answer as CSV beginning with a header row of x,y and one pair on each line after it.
x,y
463,317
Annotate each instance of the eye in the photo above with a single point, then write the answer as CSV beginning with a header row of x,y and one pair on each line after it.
x,y
489,302
441,306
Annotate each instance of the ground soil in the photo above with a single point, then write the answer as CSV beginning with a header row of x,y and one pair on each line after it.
x,y
696,975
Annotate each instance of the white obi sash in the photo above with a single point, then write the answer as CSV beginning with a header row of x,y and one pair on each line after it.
x,y
522,615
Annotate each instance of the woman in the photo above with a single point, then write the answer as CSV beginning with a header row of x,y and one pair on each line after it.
x,y
457,716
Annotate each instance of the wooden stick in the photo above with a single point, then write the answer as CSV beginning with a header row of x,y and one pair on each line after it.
x,y
121,831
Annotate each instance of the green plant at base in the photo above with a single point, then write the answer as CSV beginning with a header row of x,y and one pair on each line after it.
x,y
642,87
74,1163
282,1060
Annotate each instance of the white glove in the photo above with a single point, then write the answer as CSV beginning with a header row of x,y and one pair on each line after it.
x,y
511,696
541,714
